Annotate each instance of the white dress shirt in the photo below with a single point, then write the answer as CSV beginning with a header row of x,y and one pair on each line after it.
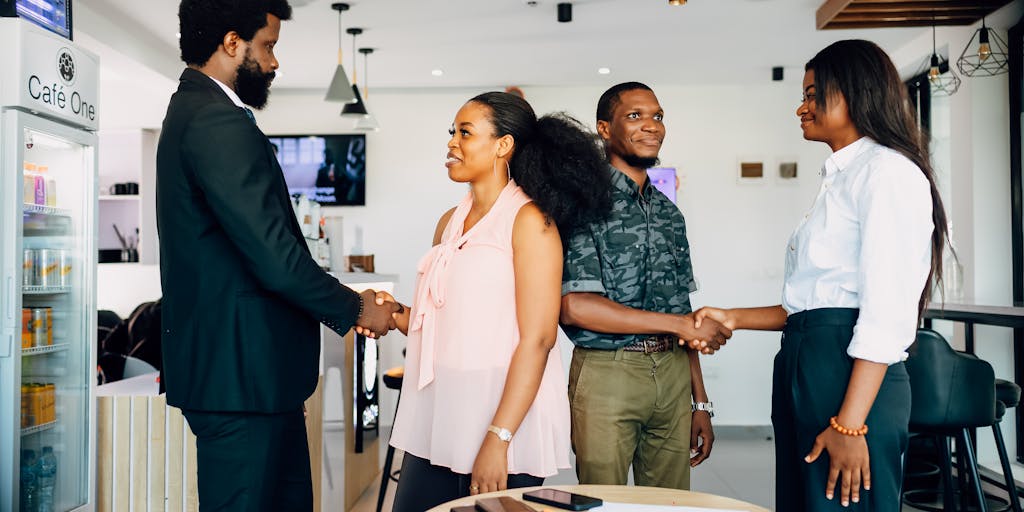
x,y
230,92
865,243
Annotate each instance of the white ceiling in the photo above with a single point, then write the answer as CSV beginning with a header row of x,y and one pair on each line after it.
x,y
482,43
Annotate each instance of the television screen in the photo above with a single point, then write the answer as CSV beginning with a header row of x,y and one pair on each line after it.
x,y
53,15
328,169
664,179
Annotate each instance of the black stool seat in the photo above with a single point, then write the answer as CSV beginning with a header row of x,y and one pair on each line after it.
x,y
393,378
1008,393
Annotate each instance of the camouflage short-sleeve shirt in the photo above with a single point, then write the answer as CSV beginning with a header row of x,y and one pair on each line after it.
x,y
637,257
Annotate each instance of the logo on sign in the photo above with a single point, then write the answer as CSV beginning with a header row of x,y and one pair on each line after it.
x,y
66,66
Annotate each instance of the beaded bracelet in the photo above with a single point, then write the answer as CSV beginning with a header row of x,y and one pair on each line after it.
x,y
832,422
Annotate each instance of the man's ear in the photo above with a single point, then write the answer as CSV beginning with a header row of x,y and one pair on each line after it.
x,y
232,43
604,130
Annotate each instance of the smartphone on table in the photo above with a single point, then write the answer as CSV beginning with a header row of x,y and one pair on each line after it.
x,y
502,504
562,499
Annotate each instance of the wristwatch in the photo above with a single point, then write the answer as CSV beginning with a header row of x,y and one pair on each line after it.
x,y
503,433
707,407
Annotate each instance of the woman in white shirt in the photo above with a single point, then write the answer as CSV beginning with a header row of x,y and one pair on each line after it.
x,y
860,267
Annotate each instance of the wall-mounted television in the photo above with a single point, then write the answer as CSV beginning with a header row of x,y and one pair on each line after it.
x,y
53,15
328,169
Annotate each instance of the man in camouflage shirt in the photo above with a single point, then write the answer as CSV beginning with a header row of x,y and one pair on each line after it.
x,y
626,306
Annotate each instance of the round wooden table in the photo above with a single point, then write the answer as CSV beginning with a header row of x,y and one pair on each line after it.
x,y
618,494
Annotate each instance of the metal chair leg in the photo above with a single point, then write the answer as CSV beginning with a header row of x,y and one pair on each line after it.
x,y
946,468
972,467
1004,461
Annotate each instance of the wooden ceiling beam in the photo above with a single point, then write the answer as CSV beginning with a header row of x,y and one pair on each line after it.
x,y
836,14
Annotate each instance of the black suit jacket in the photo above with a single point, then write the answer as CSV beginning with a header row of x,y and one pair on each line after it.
x,y
242,297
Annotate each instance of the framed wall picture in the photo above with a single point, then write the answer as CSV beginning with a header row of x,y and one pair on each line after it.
x,y
750,170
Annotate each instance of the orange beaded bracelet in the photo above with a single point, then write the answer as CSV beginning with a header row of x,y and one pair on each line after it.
x,y
832,422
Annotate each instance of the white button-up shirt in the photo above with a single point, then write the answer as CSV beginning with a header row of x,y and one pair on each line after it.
x,y
865,243
230,92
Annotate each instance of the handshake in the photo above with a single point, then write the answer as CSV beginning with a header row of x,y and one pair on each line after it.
x,y
711,329
381,313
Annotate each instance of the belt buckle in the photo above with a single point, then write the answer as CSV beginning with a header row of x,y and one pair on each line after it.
x,y
650,345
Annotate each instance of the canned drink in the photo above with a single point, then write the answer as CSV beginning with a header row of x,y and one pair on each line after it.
x,y
48,263
64,268
40,190
27,329
51,192
28,268
27,420
50,403
29,190
42,328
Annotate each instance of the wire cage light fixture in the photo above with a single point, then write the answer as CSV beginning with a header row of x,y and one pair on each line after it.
x,y
989,59
942,84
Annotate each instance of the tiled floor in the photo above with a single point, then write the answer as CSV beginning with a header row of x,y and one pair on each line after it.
x,y
741,466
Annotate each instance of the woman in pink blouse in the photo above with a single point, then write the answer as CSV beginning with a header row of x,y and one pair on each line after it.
x,y
484,404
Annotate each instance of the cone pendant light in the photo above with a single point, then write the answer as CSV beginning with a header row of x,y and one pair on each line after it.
x,y
340,89
356,108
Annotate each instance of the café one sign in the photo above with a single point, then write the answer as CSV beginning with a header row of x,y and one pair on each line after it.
x,y
54,77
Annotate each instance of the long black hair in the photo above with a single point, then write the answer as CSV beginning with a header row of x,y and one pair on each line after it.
x,y
880,108
556,161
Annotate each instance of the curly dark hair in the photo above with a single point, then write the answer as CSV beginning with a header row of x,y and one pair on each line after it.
x,y
880,108
610,99
203,23
556,161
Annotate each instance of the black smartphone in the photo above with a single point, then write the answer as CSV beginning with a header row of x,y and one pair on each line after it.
x,y
562,499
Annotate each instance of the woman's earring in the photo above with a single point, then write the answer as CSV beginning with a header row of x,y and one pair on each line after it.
x,y
508,169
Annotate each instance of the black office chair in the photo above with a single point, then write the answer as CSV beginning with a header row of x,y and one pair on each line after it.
x,y
951,394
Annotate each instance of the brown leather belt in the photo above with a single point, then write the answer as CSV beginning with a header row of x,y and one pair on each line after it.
x,y
652,344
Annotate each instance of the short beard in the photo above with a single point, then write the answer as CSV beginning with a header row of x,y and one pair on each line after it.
x,y
640,162
253,85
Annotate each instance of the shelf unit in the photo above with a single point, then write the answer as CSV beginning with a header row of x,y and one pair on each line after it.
x,y
35,429
49,349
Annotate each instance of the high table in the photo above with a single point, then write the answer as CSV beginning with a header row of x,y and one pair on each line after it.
x,y
1003,316
619,494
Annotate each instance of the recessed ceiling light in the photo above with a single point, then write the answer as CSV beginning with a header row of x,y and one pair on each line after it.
x,y
603,71
437,72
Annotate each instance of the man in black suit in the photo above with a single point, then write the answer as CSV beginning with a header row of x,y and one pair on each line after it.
x,y
242,296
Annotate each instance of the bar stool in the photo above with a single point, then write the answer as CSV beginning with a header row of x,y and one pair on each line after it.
x,y
392,380
1007,397
951,394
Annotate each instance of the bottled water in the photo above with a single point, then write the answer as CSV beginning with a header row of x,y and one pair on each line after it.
x,y
28,481
46,477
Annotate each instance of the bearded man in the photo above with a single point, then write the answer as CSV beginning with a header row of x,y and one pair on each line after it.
x,y
242,296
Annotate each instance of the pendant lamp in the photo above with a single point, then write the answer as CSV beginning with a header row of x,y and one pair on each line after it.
x,y
942,84
989,59
340,89
357,107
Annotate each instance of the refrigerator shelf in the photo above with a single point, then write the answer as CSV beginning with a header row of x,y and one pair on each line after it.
x,y
46,210
34,351
38,428
45,290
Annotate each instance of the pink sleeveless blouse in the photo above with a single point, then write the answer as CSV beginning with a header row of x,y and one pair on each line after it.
x,y
462,334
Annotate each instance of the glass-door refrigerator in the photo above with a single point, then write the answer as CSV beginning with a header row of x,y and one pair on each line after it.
x,y
48,115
